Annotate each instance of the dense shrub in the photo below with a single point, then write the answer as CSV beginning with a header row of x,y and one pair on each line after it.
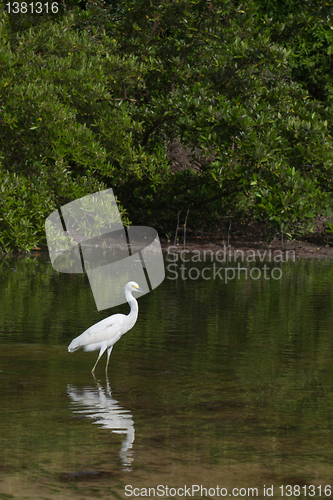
x,y
94,97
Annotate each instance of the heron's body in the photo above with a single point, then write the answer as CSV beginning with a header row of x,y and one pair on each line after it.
x,y
104,334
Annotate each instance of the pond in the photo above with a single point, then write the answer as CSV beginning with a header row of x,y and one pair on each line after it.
x,y
222,388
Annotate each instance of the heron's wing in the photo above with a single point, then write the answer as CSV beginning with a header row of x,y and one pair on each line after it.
x,y
102,331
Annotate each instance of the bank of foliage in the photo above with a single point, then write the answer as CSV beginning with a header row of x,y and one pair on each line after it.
x,y
96,95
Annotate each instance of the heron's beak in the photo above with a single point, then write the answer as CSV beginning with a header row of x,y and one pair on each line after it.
x,y
140,290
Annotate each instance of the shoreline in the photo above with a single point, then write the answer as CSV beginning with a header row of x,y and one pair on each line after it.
x,y
301,249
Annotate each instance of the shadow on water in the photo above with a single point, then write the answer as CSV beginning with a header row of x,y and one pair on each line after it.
x,y
229,385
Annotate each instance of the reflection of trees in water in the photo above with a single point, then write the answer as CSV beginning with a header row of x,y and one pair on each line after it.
x,y
99,405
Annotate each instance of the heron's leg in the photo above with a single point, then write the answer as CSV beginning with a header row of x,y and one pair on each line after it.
x,y
107,362
100,354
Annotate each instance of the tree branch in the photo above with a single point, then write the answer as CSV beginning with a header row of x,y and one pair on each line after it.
x,y
154,28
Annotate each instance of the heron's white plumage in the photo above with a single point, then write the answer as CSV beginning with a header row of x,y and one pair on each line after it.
x,y
105,330
104,334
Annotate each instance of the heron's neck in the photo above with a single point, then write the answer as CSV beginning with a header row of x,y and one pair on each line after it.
x,y
133,303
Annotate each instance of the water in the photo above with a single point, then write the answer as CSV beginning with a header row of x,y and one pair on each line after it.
x,y
217,385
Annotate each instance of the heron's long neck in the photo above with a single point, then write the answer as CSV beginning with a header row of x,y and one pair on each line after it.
x,y
133,303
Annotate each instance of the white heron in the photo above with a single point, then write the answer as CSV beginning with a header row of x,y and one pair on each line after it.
x,y
104,334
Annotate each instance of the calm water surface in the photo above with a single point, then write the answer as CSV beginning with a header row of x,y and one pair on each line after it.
x,y
227,385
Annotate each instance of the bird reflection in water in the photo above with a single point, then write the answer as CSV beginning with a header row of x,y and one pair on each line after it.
x,y
99,405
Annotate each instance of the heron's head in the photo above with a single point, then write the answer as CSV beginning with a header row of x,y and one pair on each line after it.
x,y
133,287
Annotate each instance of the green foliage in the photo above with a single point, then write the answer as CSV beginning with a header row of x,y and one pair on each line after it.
x,y
228,79
292,203
93,97
307,33
50,121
